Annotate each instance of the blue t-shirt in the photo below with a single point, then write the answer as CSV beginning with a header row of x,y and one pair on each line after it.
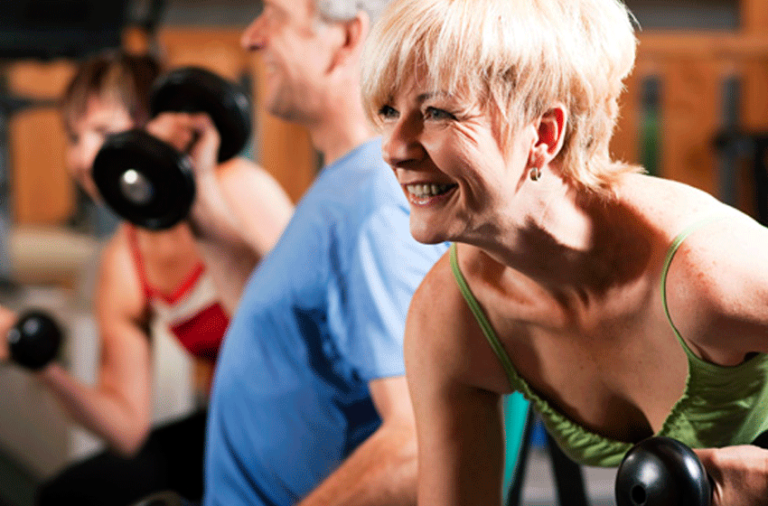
x,y
321,316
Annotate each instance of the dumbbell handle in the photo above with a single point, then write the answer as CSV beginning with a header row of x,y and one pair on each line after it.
x,y
34,340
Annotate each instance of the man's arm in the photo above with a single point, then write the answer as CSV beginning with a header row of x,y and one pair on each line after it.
x,y
382,470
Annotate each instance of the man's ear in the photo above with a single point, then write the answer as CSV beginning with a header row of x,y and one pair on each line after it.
x,y
354,33
550,135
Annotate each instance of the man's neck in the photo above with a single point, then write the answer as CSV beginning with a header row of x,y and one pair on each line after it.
x,y
342,125
335,141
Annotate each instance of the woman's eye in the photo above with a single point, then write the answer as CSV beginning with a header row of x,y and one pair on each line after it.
x,y
437,114
387,112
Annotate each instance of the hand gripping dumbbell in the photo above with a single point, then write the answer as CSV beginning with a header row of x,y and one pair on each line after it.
x,y
147,181
661,471
34,341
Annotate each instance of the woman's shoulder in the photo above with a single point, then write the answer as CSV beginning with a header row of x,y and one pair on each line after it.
x,y
118,245
119,290
715,273
668,206
703,238
442,325
443,301
239,168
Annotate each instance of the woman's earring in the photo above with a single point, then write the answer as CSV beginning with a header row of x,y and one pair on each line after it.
x,y
535,174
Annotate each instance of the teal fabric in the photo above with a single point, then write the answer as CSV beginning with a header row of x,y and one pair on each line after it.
x,y
515,416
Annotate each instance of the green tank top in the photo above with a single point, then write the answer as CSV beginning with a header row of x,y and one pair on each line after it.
x,y
720,406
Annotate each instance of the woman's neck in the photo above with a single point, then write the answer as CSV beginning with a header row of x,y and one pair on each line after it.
x,y
566,239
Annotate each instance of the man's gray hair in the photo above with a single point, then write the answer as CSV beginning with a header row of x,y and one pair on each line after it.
x,y
344,10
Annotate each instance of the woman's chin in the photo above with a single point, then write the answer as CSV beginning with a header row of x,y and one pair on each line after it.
x,y
427,235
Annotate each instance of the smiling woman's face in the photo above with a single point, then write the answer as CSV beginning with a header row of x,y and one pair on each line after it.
x,y
445,153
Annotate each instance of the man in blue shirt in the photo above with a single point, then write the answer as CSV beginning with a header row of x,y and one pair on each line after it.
x,y
310,403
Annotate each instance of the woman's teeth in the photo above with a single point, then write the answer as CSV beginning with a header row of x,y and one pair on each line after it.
x,y
427,190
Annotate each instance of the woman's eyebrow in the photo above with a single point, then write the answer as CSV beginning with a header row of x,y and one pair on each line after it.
x,y
430,94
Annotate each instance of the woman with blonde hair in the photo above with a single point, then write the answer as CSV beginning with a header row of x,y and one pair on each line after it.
x,y
621,305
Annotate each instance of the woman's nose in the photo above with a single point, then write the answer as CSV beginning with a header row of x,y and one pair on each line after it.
x,y
401,143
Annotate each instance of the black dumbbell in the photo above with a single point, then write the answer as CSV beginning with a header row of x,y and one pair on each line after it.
x,y
147,181
661,471
165,498
34,341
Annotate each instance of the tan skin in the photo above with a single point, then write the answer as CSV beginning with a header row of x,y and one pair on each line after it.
x,y
118,406
311,69
571,287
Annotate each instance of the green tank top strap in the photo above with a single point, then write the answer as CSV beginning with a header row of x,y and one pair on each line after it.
x,y
482,320
678,241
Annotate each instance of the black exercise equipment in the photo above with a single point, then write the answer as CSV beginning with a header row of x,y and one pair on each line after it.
x,y
751,148
661,471
761,441
48,29
150,183
165,498
34,340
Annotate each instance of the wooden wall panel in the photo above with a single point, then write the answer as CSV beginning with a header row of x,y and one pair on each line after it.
x,y
41,190
691,106
754,107
625,145
754,15
216,49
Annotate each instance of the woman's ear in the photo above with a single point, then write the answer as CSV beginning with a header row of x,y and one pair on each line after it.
x,y
354,33
550,135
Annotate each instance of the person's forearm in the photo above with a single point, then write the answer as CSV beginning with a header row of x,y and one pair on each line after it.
x,y
381,472
98,411
228,256
211,219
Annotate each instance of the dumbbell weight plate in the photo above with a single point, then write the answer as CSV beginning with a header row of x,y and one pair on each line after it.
x,y
194,89
662,471
144,180
34,340
761,441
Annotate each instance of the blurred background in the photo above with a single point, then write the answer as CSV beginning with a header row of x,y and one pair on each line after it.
x,y
695,110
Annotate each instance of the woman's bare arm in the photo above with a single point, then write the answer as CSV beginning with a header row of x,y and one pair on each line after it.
x,y
459,424
118,407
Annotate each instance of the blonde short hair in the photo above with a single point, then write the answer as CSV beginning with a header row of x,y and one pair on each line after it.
x,y
517,58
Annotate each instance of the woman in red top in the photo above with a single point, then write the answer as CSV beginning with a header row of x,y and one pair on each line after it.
x,y
189,282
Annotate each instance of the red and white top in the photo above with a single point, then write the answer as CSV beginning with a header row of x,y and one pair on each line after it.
x,y
192,312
